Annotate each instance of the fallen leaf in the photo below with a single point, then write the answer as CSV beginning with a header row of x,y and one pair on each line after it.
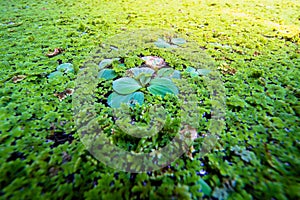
x,y
62,95
69,91
256,53
55,52
18,78
154,62
226,69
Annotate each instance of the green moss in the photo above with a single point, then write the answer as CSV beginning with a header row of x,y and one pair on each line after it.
x,y
41,153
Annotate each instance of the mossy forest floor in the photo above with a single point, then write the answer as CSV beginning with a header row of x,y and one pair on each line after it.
x,y
254,44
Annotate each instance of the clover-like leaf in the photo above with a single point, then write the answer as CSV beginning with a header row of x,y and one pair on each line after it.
x,y
115,100
126,85
65,67
162,86
107,74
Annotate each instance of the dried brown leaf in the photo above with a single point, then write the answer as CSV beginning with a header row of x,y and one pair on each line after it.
x,y
62,95
18,78
55,52
226,69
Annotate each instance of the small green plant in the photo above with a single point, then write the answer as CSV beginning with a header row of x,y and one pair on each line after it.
x,y
196,72
107,74
156,78
157,83
169,42
62,69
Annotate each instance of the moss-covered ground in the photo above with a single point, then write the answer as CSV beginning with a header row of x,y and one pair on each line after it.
x,y
255,45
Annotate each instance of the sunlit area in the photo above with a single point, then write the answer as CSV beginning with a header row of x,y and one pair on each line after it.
x,y
178,99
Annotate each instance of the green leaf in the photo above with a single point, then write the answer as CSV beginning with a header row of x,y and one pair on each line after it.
x,y
245,154
165,72
66,67
192,71
119,68
161,43
126,85
220,193
168,73
137,97
204,187
107,74
115,100
144,79
176,74
142,74
162,86
196,72
106,62
178,41
55,74
138,70
203,72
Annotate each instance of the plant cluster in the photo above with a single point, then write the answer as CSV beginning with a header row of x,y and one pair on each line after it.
x,y
153,76
157,83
